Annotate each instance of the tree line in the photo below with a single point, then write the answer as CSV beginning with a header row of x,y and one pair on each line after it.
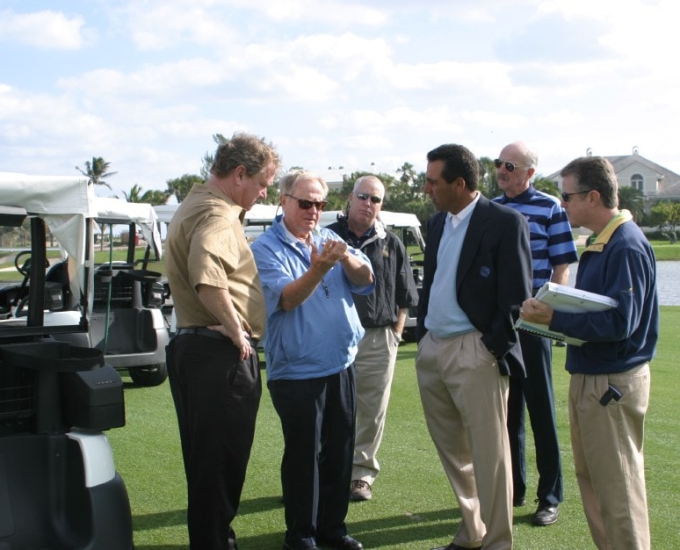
x,y
403,191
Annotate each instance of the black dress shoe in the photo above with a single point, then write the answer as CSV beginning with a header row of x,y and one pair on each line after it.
x,y
341,543
518,502
546,514
454,546
302,544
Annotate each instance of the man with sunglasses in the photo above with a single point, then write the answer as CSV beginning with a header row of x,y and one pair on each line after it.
x,y
610,375
309,276
552,250
382,314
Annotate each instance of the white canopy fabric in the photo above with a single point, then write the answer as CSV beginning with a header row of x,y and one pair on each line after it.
x,y
259,213
67,204
64,203
111,210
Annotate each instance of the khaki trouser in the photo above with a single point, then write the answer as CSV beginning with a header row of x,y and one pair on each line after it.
x,y
464,399
609,464
374,368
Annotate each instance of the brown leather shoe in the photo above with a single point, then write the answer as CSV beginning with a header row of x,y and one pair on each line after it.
x,y
360,490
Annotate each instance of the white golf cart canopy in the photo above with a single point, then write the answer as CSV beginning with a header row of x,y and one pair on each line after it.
x,y
257,215
65,204
116,211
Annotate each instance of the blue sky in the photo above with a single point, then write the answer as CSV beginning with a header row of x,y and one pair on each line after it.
x,y
364,85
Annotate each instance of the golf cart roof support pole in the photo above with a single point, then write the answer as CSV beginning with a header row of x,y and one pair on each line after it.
x,y
85,288
132,238
36,288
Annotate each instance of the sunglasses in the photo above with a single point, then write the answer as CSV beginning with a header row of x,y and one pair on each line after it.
x,y
306,205
366,196
509,166
566,197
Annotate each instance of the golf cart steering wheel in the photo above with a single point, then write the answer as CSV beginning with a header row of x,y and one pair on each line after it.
x,y
25,267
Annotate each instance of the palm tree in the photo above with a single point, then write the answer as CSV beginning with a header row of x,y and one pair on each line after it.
x,y
96,171
209,158
632,199
488,178
135,194
181,186
541,183
153,197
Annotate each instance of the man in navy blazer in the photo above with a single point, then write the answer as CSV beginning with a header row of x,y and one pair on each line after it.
x,y
478,271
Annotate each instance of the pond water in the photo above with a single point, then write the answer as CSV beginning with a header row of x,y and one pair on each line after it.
x,y
668,282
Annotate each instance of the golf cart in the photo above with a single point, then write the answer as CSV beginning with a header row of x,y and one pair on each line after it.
x,y
127,322
59,488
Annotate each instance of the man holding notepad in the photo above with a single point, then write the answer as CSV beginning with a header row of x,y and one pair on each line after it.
x,y
609,388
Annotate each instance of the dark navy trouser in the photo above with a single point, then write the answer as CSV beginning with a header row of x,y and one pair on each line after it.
x,y
216,398
536,391
317,418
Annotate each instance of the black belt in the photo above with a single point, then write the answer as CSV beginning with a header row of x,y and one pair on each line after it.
x,y
209,333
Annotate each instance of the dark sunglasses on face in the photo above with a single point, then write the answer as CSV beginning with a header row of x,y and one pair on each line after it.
x,y
566,197
509,166
306,205
366,196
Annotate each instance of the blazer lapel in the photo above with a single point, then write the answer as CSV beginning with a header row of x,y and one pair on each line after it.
x,y
479,219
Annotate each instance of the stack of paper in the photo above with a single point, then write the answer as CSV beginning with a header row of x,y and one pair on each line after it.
x,y
570,300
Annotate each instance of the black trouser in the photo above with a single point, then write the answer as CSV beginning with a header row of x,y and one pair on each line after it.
x,y
317,418
216,398
536,390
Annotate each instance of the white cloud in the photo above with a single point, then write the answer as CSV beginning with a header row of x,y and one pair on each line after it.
x,y
161,25
332,90
161,81
46,30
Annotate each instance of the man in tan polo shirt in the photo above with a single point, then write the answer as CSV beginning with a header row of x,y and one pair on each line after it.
x,y
212,363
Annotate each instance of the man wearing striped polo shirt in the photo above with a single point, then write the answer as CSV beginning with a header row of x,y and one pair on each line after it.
x,y
552,250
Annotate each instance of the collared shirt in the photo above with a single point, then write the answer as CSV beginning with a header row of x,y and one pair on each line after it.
x,y
619,264
456,219
445,317
552,242
320,337
395,288
206,245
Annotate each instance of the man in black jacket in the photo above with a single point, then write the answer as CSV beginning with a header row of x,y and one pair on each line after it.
x,y
478,272
382,313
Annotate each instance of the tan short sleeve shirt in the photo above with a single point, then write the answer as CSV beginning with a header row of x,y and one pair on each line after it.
x,y
206,245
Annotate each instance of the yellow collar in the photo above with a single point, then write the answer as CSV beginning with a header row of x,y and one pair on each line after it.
x,y
596,243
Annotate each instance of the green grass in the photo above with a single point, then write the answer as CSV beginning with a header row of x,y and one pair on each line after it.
x,y
413,506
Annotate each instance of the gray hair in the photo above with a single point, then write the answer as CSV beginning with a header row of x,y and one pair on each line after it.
x,y
288,181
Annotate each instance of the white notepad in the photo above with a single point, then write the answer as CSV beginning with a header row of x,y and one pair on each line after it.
x,y
567,299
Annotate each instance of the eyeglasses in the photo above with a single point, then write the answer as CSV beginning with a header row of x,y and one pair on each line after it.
x,y
566,197
366,196
306,205
509,166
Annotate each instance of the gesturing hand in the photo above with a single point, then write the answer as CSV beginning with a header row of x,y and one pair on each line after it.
x,y
331,253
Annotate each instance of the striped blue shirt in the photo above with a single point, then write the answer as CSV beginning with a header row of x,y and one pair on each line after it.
x,y
552,242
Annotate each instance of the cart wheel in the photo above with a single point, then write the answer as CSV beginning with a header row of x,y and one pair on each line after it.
x,y
153,375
